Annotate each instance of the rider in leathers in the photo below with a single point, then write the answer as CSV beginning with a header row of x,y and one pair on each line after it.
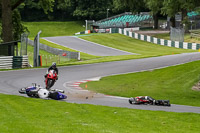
x,y
52,67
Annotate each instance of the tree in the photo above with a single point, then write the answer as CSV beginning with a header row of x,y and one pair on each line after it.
x,y
131,5
7,20
155,8
8,7
87,9
171,8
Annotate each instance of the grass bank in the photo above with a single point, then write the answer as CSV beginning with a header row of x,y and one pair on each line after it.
x,y
173,83
29,115
54,28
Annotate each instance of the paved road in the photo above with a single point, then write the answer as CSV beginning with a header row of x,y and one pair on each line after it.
x,y
11,81
86,46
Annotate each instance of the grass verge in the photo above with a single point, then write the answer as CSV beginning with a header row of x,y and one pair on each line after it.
x,y
29,115
173,83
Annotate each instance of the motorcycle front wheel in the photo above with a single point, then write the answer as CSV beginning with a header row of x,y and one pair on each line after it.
x,y
50,83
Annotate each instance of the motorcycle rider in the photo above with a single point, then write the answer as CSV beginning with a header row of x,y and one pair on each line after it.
x,y
52,67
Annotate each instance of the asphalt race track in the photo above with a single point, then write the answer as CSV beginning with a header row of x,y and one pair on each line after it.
x,y
12,81
86,46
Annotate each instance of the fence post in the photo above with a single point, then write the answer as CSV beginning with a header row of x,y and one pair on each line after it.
x,y
36,49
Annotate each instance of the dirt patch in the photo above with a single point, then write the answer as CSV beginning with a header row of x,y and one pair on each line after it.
x,y
196,87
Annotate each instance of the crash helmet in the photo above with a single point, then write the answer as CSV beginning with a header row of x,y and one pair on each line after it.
x,y
43,93
54,65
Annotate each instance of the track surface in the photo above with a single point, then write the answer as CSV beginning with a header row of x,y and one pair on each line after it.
x,y
11,81
86,46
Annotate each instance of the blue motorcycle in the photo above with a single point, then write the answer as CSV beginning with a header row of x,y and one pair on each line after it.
x,y
37,91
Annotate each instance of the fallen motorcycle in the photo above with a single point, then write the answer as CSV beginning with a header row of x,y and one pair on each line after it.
x,y
148,100
37,91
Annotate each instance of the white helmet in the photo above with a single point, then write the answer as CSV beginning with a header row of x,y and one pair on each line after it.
x,y
43,93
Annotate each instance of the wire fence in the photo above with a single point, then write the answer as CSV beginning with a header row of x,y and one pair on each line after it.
x,y
46,60
24,42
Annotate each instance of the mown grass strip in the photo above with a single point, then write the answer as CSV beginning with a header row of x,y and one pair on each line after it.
x,y
174,83
54,28
29,115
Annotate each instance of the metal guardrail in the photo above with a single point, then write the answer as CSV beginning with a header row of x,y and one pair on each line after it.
x,y
6,62
70,55
10,62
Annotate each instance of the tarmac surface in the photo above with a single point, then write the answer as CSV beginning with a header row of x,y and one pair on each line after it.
x,y
12,81
86,46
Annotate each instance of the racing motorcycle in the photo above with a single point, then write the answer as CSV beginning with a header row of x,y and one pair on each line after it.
x,y
51,79
148,100
37,91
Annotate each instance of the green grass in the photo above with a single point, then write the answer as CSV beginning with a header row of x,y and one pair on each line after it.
x,y
187,37
29,115
173,83
145,49
30,52
54,28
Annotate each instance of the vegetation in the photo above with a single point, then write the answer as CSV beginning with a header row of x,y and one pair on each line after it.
x,y
20,114
9,20
85,10
174,83
165,8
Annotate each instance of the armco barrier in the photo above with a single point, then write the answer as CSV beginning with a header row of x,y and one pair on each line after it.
x,y
184,45
9,62
6,62
83,32
20,61
71,55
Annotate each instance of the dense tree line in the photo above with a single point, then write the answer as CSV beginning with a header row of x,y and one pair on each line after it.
x,y
61,10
